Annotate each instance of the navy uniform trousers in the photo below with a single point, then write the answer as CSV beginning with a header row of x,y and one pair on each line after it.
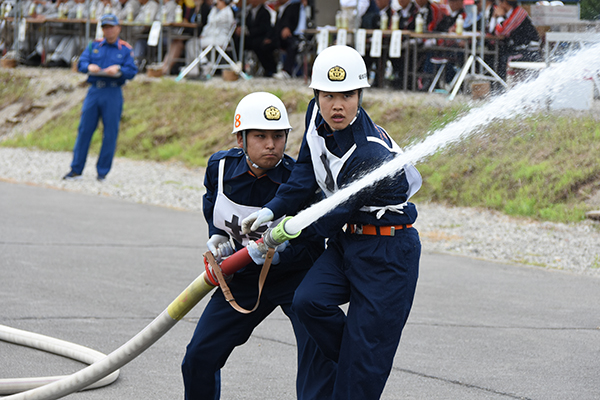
x,y
377,275
221,329
101,102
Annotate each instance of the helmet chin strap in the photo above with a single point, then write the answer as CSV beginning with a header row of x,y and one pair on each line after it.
x,y
252,162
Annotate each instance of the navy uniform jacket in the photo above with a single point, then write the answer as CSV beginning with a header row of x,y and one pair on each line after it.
x,y
289,19
522,35
367,156
448,21
259,27
104,54
409,22
243,187
376,21
435,13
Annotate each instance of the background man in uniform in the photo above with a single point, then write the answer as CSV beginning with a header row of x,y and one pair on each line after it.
x,y
109,64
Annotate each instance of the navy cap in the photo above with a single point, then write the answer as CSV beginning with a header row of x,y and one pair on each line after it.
x,y
109,19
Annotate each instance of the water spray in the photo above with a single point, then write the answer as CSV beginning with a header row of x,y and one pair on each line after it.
x,y
527,97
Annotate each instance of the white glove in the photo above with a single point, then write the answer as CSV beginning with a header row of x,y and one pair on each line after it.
x,y
258,251
219,246
213,277
256,219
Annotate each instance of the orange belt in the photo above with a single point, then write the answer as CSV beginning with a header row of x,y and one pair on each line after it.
x,y
377,230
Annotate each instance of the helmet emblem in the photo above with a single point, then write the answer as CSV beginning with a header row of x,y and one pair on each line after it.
x,y
272,113
336,73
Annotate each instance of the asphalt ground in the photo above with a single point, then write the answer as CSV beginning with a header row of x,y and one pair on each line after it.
x,y
95,271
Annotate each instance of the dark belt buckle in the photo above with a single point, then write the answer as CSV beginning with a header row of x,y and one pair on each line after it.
x,y
100,84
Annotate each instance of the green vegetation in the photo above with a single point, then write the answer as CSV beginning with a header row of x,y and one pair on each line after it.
x,y
542,167
410,122
538,167
590,9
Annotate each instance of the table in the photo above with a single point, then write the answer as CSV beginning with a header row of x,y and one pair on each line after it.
x,y
77,27
411,48
176,31
447,43
64,27
566,37
312,35
8,32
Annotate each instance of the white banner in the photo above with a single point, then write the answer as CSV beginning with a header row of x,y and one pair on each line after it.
x,y
342,35
376,40
99,33
22,30
154,34
322,40
361,40
396,44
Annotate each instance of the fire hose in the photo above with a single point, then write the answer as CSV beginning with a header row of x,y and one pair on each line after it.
x,y
101,368
51,345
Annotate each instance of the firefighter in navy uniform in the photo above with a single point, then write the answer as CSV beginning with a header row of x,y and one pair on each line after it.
x,y
239,182
373,263
109,63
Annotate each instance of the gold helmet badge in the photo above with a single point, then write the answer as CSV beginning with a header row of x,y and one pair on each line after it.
x,y
336,74
272,113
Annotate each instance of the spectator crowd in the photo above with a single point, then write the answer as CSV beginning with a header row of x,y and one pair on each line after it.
x,y
273,32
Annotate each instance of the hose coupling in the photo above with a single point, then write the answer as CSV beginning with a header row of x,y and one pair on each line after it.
x,y
273,237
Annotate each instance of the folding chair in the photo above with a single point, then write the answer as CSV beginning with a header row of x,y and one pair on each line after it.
x,y
217,55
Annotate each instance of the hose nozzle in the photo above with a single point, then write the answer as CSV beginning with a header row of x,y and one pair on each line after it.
x,y
273,237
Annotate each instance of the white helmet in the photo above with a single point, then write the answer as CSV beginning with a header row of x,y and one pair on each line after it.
x,y
260,110
339,69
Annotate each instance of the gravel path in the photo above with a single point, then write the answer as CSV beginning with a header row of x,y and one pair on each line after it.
x,y
461,231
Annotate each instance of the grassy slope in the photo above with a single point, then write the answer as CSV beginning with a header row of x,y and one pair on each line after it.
x,y
541,167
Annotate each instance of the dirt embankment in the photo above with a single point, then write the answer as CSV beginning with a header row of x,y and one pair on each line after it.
x,y
51,92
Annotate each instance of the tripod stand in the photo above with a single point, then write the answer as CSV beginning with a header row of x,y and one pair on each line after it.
x,y
222,54
469,67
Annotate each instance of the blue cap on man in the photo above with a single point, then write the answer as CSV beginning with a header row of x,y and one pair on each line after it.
x,y
109,19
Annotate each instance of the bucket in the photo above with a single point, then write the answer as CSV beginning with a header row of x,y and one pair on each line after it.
x,y
154,70
74,63
480,90
8,63
229,75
